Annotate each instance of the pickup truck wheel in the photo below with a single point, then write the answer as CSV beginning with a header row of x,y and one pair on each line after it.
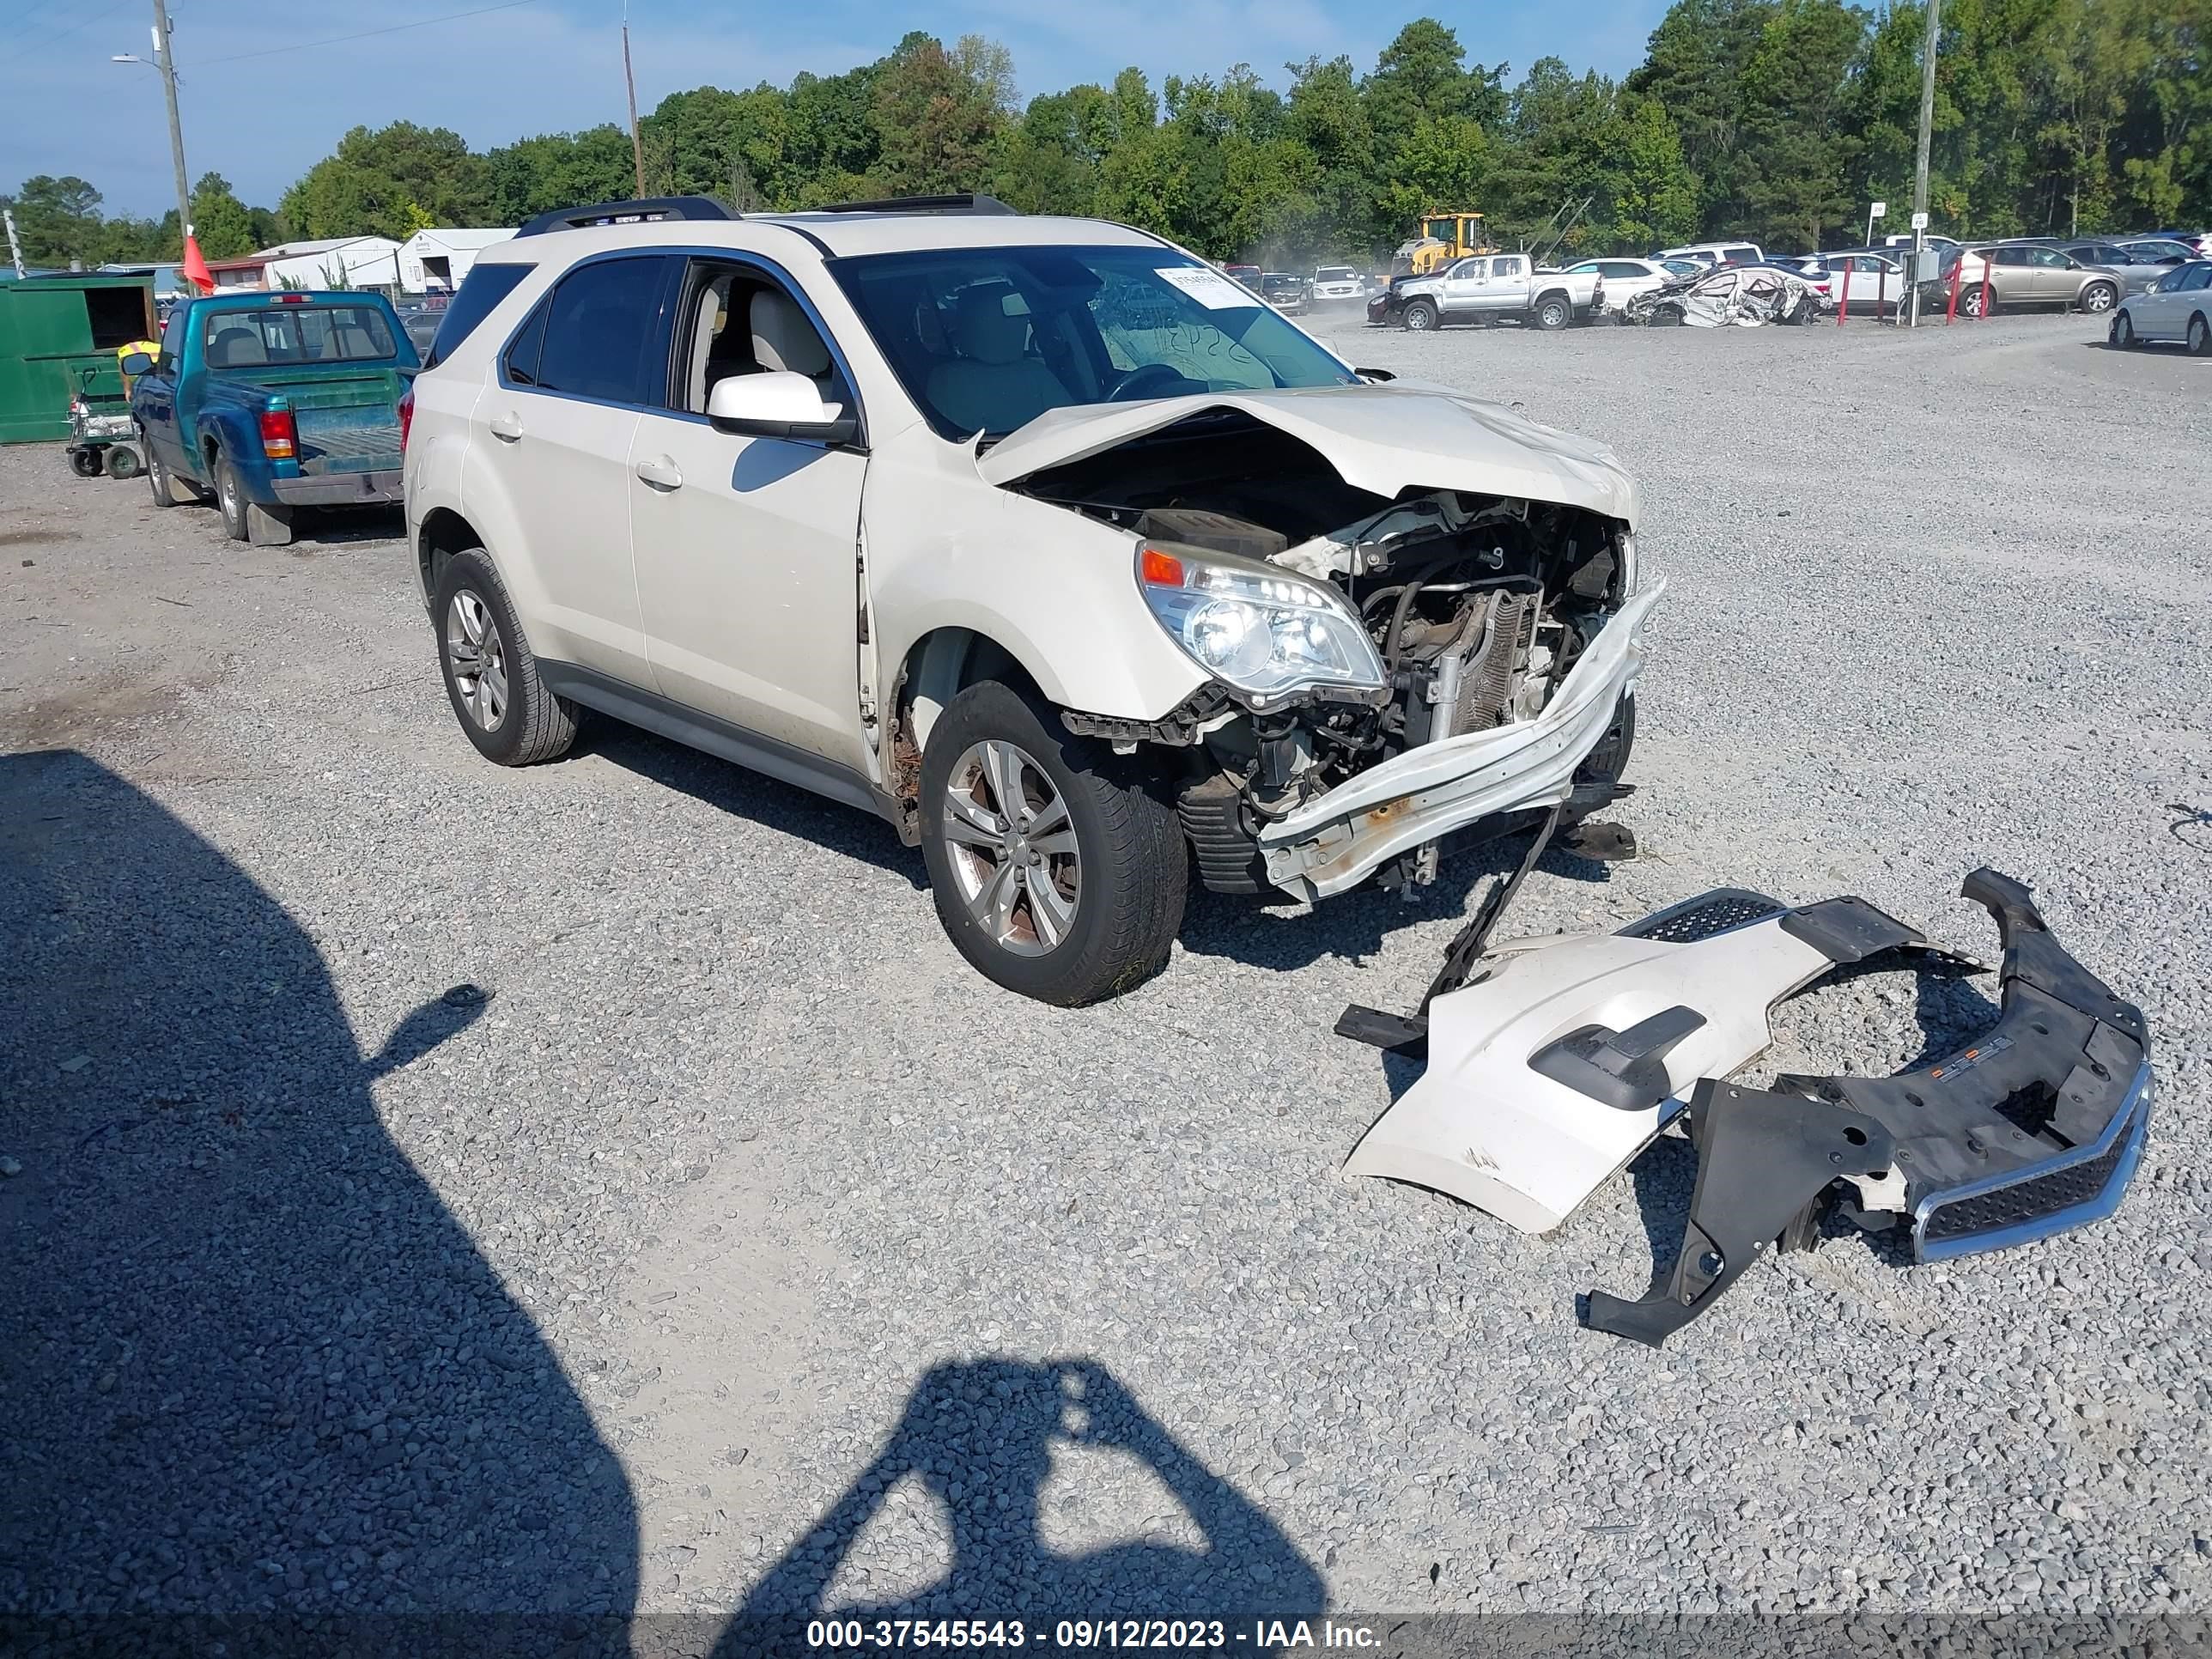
x,y
491,674
1055,872
246,520
1552,311
1420,316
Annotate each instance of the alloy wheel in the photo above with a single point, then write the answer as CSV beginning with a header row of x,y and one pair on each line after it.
x,y
477,659
2097,300
1011,847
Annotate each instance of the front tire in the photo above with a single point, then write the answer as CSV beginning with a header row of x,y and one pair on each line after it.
x,y
2200,336
1055,871
2124,332
1420,316
168,491
490,672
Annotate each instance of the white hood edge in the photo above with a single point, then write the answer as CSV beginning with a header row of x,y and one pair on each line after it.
x,y
1385,440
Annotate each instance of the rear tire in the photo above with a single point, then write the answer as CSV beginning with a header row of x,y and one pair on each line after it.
x,y
246,521
1420,316
2098,298
1978,303
1553,312
490,672
1115,870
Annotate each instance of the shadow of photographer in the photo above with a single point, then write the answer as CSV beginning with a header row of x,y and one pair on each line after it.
x,y
981,1438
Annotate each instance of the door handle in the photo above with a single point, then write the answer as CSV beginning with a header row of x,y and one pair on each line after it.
x,y
661,473
507,426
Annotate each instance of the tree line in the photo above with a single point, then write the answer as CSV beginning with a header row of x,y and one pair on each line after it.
x,y
1778,119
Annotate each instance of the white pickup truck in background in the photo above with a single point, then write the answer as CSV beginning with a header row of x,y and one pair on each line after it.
x,y
1488,285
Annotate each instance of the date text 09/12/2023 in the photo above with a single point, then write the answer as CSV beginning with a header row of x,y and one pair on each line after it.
x,y
1086,1635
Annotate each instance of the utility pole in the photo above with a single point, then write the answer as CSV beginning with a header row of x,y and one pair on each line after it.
x,y
636,143
167,67
1920,160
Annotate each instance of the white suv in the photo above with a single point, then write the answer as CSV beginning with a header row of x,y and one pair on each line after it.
x,y
1039,537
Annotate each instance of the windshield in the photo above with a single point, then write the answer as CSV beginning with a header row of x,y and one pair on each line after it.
x,y
986,339
299,334
1334,273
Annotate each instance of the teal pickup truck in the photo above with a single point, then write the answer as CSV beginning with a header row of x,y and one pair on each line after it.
x,y
272,402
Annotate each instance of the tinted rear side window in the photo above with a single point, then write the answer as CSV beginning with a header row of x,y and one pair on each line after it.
x,y
482,290
602,332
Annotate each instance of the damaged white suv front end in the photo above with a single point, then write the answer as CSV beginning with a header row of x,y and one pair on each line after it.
x,y
1420,617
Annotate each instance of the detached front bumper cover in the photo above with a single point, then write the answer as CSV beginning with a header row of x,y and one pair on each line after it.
x,y
1536,1095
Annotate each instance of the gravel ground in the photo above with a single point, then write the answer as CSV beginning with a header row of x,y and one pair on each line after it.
x,y
730,1246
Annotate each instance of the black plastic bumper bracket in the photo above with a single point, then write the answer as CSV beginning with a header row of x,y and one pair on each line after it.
x,y
1762,1159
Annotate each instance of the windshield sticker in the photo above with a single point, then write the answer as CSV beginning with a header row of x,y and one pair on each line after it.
x,y
1209,287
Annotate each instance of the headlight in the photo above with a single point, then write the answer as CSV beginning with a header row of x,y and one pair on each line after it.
x,y
1254,627
1627,556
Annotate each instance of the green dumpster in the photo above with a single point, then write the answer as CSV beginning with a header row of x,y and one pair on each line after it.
x,y
52,329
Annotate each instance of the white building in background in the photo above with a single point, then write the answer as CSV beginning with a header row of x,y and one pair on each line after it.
x,y
432,261
332,261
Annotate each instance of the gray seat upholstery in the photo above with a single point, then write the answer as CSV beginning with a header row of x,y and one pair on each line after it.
x,y
784,339
238,344
356,344
993,385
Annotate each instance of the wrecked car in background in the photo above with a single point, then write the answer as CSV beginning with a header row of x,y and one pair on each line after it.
x,y
1734,296
1553,1062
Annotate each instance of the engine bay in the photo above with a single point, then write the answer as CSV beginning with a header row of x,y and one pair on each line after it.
x,y
1477,606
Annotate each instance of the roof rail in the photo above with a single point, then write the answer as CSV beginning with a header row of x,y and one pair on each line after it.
x,y
965,203
626,213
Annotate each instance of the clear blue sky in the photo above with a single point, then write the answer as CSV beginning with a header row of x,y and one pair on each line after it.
x,y
261,121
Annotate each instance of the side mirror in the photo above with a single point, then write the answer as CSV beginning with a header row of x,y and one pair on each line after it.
x,y
777,404
138,363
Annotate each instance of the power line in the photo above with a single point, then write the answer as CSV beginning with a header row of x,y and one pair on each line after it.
x,y
83,22
366,34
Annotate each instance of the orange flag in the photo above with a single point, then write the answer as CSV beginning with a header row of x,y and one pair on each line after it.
x,y
194,268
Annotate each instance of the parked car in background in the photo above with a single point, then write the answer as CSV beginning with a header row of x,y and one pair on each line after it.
x,y
422,325
1715,253
2000,275
1487,288
1730,296
1335,284
1248,274
1619,281
1904,239
2178,307
2160,251
2197,241
1283,291
1880,280
2136,275
272,402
